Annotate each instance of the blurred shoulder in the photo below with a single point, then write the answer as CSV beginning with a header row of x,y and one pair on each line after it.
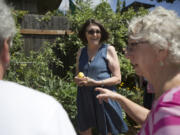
x,y
26,94
111,49
172,95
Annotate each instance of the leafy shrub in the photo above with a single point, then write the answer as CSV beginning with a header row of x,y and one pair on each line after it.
x,y
35,71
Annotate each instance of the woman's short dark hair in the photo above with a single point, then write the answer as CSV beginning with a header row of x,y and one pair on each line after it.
x,y
82,31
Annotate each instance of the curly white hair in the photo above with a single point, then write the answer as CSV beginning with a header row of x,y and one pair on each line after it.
x,y
161,28
7,23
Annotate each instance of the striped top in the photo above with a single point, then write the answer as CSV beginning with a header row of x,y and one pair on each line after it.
x,y
164,118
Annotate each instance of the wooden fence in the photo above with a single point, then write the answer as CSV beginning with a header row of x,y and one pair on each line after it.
x,y
36,31
35,6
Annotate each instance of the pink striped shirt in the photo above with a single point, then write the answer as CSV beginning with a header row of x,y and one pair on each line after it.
x,y
164,118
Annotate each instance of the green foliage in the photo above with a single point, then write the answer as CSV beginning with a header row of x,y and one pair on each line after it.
x,y
135,94
18,14
126,68
35,71
48,15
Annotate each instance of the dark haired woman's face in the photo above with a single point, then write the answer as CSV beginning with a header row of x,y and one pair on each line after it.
x,y
93,34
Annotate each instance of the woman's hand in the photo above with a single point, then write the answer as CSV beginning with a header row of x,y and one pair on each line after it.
x,y
80,81
105,94
135,111
85,81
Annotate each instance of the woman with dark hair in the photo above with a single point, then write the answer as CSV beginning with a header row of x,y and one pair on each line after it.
x,y
99,63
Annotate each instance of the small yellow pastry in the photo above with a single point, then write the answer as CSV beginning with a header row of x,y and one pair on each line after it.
x,y
80,75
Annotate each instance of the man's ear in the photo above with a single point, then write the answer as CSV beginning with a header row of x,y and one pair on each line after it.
x,y
4,56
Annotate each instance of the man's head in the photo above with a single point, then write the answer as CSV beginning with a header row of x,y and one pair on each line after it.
x,y
7,32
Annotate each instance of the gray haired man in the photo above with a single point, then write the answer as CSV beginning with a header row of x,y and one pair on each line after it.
x,y
24,111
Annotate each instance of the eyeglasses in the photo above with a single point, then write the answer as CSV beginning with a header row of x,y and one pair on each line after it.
x,y
91,32
132,46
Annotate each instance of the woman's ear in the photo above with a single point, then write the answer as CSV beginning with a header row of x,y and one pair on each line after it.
x,y
162,54
5,56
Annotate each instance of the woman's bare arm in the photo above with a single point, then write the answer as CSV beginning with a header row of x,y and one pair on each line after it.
x,y
135,111
113,64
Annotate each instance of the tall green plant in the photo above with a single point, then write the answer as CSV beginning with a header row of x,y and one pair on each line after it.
x,y
36,71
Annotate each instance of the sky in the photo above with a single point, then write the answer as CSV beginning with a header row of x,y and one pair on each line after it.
x,y
175,6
